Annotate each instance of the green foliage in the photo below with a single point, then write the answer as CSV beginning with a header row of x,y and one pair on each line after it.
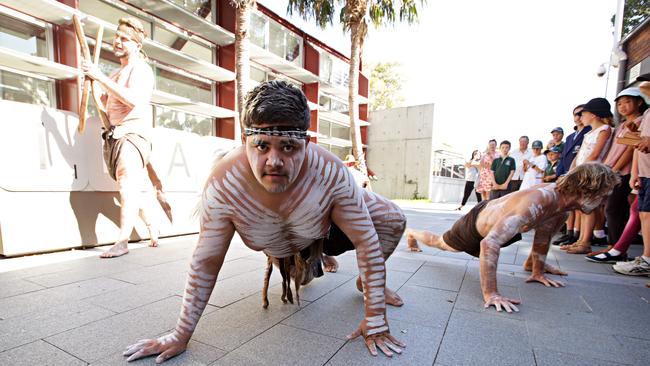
x,y
379,12
636,11
385,86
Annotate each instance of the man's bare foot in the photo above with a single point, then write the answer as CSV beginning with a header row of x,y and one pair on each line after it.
x,y
411,243
647,284
153,234
331,264
118,249
392,298
547,269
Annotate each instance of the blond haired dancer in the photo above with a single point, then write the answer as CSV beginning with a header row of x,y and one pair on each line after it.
x,y
492,225
280,193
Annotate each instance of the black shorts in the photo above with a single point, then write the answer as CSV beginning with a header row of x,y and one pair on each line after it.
x,y
464,237
337,242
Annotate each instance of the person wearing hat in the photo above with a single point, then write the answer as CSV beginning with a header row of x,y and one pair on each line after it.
x,y
534,168
630,105
640,179
567,155
552,155
597,114
558,135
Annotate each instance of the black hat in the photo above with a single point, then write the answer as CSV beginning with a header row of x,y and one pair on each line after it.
x,y
600,107
644,77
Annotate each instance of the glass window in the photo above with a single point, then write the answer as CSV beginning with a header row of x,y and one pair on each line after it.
x,y
258,30
339,151
25,89
330,104
181,43
276,39
184,121
341,132
293,49
258,75
109,13
324,127
23,37
174,83
198,7
325,68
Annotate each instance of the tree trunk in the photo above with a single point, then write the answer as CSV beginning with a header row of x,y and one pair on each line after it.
x,y
242,58
353,92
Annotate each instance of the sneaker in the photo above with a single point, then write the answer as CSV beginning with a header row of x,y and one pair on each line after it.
x,y
612,259
599,241
566,238
637,267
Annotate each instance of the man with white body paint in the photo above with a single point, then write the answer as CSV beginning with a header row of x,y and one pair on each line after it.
x,y
281,193
492,225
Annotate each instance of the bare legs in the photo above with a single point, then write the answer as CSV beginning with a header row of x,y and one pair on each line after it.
x,y
130,176
429,239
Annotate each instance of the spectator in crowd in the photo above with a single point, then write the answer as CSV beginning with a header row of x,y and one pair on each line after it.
x,y
535,166
471,175
520,154
630,105
567,155
485,172
558,135
553,156
503,169
618,251
596,113
640,179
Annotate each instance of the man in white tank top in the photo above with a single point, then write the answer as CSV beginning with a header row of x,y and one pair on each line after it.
x,y
281,193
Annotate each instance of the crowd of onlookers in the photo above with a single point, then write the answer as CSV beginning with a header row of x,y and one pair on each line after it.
x,y
597,137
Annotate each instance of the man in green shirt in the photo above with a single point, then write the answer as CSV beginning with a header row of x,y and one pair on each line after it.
x,y
503,168
552,155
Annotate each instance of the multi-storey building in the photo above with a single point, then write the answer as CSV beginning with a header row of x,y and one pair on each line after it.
x,y
54,190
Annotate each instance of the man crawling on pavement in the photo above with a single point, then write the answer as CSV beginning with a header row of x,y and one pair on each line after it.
x,y
281,194
495,224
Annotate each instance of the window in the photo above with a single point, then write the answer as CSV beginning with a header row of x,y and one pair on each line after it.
x,y
26,89
34,40
334,70
183,121
270,35
173,83
340,132
339,151
324,127
200,8
23,37
258,30
331,104
110,13
179,42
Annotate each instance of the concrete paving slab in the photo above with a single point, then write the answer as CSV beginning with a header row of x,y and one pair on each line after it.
x,y
16,286
53,320
38,353
424,306
135,296
41,300
475,339
197,354
470,298
549,357
238,287
240,322
638,349
421,347
444,277
84,269
403,264
102,338
313,291
284,345
158,273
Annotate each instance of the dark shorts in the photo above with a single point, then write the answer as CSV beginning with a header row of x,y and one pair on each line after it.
x,y
112,148
337,243
644,195
464,237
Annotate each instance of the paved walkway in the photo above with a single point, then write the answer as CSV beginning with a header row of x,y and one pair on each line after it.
x,y
72,308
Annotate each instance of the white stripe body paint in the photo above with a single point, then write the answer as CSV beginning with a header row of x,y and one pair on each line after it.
x,y
281,224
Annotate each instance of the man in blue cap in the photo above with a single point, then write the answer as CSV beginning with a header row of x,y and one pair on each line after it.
x,y
568,153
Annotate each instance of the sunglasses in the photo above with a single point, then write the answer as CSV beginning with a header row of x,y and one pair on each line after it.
x,y
579,114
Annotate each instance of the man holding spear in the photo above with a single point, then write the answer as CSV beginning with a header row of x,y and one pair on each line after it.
x,y
124,98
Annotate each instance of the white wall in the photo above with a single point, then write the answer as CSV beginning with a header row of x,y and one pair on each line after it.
x,y
55,192
400,150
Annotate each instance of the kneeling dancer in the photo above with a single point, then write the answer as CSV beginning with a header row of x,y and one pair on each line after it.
x,y
492,225
281,193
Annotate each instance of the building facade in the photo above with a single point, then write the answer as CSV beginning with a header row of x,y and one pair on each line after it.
x,y
636,46
57,181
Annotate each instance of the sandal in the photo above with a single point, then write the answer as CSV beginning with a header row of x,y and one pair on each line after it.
x,y
580,249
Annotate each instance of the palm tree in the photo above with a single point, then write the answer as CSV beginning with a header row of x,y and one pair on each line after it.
x,y
242,53
354,17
